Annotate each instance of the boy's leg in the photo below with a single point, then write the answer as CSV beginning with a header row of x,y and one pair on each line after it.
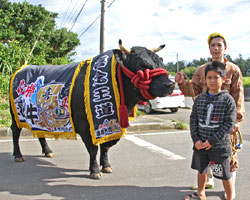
x,y
221,170
209,182
228,186
202,179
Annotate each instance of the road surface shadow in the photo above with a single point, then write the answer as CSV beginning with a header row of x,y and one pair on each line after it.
x,y
36,177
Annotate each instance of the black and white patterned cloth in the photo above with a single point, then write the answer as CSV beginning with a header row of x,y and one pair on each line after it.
x,y
213,118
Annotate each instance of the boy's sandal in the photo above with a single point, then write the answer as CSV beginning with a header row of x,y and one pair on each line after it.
x,y
193,196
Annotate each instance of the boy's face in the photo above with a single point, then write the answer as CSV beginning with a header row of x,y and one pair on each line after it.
x,y
214,81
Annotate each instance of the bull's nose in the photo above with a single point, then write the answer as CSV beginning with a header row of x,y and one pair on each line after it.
x,y
170,84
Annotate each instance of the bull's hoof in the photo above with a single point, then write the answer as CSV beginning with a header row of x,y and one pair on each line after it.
x,y
96,176
49,155
19,159
107,170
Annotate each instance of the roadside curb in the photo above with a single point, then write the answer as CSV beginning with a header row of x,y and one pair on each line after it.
x,y
6,132
143,127
133,128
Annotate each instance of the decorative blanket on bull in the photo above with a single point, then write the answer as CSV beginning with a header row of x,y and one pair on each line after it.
x,y
102,99
40,99
41,95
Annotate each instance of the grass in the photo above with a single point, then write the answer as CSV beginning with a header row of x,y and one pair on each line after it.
x,y
180,125
5,118
246,81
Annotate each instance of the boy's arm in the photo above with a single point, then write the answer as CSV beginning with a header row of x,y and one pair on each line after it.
x,y
228,124
194,123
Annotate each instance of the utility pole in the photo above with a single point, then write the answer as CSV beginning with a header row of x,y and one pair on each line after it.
x,y
177,64
102,27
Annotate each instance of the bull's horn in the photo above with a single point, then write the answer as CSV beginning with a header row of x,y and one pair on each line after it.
x,y
158,49
123,48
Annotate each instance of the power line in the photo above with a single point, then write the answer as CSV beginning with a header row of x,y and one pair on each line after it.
x,y
72,13
110,3
89,26
78,14
65,15
94,21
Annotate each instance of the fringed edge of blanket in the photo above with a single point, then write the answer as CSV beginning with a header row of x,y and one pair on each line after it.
x,y
12,102
77,71
87,100
117,94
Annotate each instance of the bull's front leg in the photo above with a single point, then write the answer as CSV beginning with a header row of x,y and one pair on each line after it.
x,y
104,161
94,167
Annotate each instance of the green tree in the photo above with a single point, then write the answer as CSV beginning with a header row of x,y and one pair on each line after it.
x,y
197,63
170,67
242,64
189,71
23,26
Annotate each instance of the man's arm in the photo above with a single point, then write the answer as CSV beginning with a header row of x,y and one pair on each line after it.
x,y
190,88
237,91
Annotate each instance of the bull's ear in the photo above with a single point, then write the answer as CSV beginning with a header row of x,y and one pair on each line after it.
x,y
120,56
157,49
128,51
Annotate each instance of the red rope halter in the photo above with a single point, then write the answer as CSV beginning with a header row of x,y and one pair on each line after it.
x,y
142,79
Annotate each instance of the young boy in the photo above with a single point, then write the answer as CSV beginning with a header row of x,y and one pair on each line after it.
x,y
212,119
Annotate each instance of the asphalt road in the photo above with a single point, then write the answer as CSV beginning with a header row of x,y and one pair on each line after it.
x,y
149,166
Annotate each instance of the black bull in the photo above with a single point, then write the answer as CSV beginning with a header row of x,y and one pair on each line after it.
x,y
137,58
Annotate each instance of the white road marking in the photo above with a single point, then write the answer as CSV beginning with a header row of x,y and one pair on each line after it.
x,y
162,133
153,148
24,140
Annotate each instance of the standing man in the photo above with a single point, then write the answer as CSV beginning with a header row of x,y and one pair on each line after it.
x,y
233,84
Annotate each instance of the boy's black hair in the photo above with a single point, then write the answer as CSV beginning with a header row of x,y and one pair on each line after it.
x,y
217,67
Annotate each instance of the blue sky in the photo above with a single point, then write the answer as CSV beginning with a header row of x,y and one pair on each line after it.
x,y
183,25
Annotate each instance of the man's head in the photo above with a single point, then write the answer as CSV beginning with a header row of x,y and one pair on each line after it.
x,y
216,35
217,46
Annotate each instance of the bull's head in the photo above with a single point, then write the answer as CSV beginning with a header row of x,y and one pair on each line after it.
x,y
141,58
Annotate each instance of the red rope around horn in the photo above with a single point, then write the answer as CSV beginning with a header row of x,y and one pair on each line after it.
x,y
140,80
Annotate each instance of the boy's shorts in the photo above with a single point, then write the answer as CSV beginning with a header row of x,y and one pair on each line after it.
x,y
220,165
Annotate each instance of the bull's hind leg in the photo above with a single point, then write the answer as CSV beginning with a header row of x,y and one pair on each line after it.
x,y
104,162
15,136
45,148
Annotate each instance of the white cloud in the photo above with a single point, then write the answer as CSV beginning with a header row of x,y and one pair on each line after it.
x,y
182,25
